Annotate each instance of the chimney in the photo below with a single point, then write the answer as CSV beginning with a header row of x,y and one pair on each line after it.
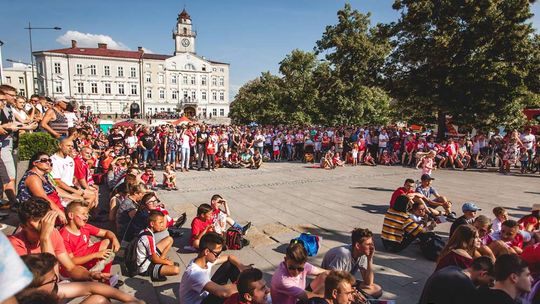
x,y
102,46
73,44
140,49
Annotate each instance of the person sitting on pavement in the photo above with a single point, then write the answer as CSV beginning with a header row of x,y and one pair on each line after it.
x,y
43,266
256,160
152,251
127,208
461,248
512,279
469,214
531,221
169,179
455,285
339,289
407,190
63,171
197,287
252,288
438,200
508,240
501,215
36,183
149,178
289,280
38,235
221,216
354,258
483,224
201,225
76,235
399,230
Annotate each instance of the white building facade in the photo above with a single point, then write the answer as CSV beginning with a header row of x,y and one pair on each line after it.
x,y
108,81
19,76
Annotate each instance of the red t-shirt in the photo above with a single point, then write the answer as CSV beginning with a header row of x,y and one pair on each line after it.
x,y
399,191
23,246
410,146
198,225
82,171
527,221
78,244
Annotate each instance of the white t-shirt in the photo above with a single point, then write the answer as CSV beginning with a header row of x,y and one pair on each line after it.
x,y
528,141
71,118
193,281
63,169
146,247
383,140
131,141
259,140
185,141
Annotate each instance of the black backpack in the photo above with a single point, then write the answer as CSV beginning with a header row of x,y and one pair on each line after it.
x,y
431,246
130,257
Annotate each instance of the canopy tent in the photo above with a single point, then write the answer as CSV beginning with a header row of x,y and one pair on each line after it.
x,y
130,123
105,125
182,120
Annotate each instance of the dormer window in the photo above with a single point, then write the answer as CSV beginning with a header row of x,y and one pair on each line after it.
x,y
189,66
185,31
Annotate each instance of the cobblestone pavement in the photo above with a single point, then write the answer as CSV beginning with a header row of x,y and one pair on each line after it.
x,y
284,199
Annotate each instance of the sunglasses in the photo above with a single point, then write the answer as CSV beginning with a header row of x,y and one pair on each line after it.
x,y
299,268
216,254
44,160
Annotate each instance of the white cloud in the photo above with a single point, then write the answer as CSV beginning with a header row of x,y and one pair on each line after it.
x,y
90,40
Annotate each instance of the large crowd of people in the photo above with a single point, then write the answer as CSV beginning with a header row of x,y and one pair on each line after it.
x,y
67,239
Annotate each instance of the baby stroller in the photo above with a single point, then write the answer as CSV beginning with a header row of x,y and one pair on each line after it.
x,y
309,154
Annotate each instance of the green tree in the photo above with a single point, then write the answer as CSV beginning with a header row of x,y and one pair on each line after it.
x,y
467,59
356,53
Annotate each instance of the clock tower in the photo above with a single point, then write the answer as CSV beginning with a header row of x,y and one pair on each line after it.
x,y
183,35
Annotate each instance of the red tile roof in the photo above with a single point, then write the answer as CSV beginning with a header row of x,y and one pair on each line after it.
x,y
156,56
102,52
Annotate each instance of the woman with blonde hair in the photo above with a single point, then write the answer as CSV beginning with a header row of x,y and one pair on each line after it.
x,y
460,249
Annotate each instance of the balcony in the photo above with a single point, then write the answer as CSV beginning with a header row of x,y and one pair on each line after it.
x,y
184,33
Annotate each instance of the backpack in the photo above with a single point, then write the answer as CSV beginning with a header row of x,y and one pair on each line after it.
x,y
130,257
234,238
310,242
432,246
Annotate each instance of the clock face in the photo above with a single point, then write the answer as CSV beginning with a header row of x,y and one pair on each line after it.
x,y
185,42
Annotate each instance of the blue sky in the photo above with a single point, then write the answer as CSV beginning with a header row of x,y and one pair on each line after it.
x,y
253,36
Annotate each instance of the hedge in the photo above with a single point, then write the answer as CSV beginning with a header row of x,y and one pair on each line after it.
x,y
31,143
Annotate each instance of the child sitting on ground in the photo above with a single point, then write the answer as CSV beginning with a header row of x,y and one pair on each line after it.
x,y
266,156
501,215
169,179
149,178
221,216
326,161
336,160
200,225
76,234
152,257
386,159
368,160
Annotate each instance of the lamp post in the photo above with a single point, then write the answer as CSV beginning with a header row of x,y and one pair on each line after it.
x,y
1,65
30,28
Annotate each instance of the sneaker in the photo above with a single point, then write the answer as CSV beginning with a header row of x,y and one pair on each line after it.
x,y
175,232
451,217
181,220
245,242
246,227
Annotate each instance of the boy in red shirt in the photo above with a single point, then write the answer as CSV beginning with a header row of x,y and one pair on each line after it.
x,y
410,148
201,224
76,234
149,178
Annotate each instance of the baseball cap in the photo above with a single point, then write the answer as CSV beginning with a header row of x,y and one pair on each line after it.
x,y
470,207
426,177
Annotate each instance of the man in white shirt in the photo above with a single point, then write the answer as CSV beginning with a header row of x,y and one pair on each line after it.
x,y
196,287
529,142
63,170
383,141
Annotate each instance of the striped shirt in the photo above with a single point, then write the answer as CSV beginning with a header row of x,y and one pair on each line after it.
x,y
60,124
396,224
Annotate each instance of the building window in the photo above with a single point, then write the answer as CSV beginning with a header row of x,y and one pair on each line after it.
x,y
203,80
214,81
58,87
161,94
133,73
80,87
214,96
161,66
221,81
204,67
93,88
78,69
161,79
57,69
189,66
148,93
193,82
184,79
193,95
222,70
221,112
173,65
214,70
107,70
121,89
93,70
22,92
174,94
133,89
120,71
222,96
107,88
148,77
214,112
203,95
173,78
147,65
204,112
21,80
185,94
8,79
40,68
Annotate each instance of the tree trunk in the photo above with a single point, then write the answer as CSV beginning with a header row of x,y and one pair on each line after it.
x,y
441,125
